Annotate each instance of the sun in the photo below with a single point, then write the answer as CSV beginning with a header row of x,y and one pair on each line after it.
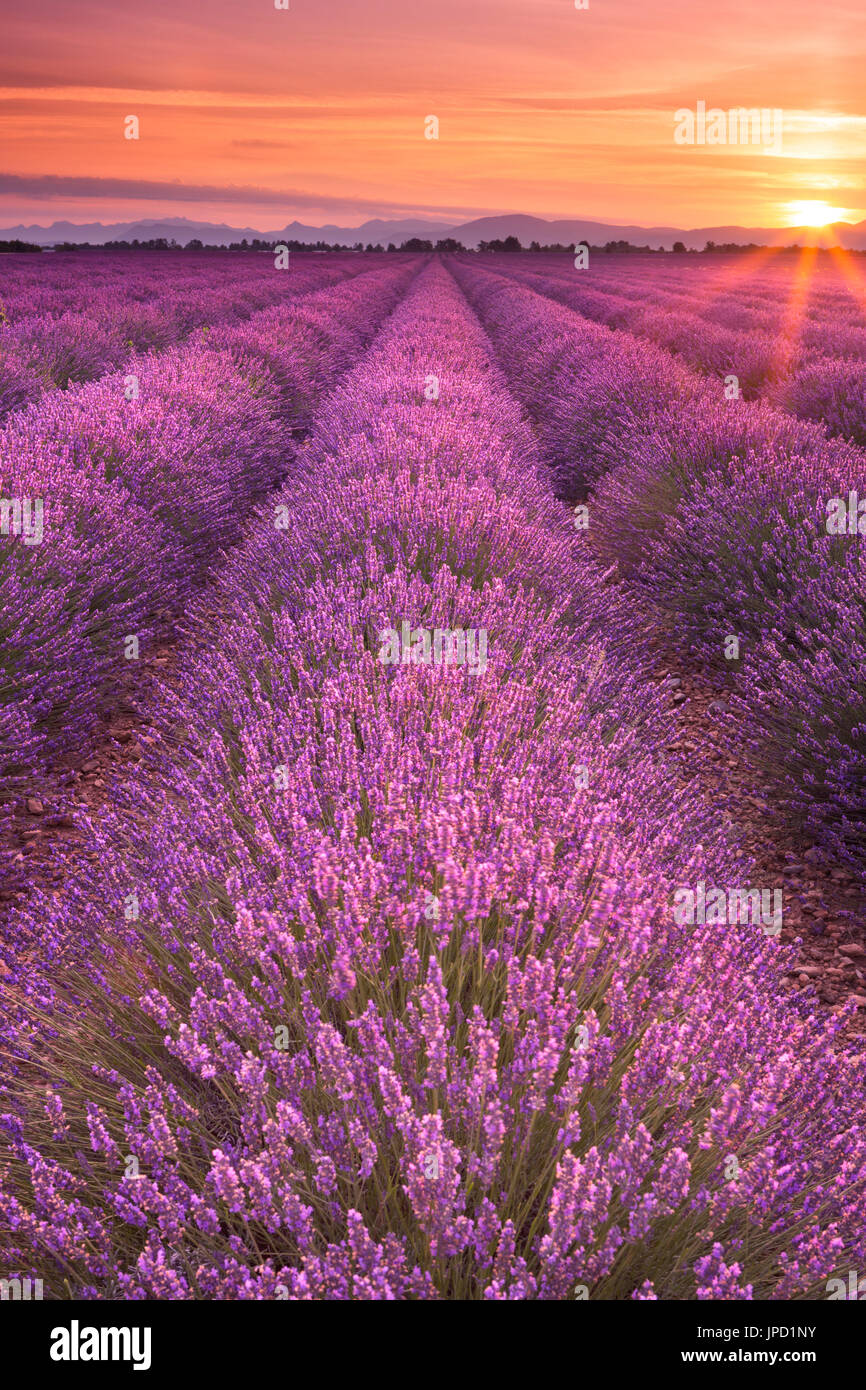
x,y
812,212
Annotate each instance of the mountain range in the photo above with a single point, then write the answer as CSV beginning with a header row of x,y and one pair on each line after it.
x,y
569,231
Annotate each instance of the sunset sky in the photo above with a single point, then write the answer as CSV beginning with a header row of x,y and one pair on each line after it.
x,y
256,116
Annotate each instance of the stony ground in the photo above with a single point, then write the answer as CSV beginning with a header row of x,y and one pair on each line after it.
x,y
822,906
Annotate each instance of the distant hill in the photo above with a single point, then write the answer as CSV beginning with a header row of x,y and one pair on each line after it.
x,y
380,231
528,229
221,234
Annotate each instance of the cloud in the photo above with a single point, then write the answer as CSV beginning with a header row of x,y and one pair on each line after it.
x,y
261,145
49,186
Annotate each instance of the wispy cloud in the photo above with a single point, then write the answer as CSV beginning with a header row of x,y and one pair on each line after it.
x,y
53,186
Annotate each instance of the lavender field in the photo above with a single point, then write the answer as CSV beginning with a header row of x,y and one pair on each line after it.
x,y
433,776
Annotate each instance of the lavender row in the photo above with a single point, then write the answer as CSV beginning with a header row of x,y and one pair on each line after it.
x,y
809,308
389,999
127,496
811,371
804,296
85,331
731,517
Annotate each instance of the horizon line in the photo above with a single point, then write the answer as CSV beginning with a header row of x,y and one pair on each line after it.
x,y
434,220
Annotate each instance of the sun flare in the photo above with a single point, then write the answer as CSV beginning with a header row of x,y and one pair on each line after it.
x,y
813,212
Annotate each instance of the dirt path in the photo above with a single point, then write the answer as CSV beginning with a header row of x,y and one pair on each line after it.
x,y
40,839
821,904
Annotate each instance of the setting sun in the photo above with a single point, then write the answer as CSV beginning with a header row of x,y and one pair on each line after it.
x,y
813,212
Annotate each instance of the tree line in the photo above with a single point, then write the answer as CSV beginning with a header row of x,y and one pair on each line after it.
x,y
415,245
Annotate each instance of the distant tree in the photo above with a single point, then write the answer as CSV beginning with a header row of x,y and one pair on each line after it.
x,y
679,246
710,246
416,243
195,245
534,246
498,246
391,246
449,244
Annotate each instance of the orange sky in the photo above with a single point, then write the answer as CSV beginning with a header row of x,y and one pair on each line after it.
x,y
256,116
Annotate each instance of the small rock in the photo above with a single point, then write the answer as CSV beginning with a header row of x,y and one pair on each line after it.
x,y
717,707
34,806
91,765
851,950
